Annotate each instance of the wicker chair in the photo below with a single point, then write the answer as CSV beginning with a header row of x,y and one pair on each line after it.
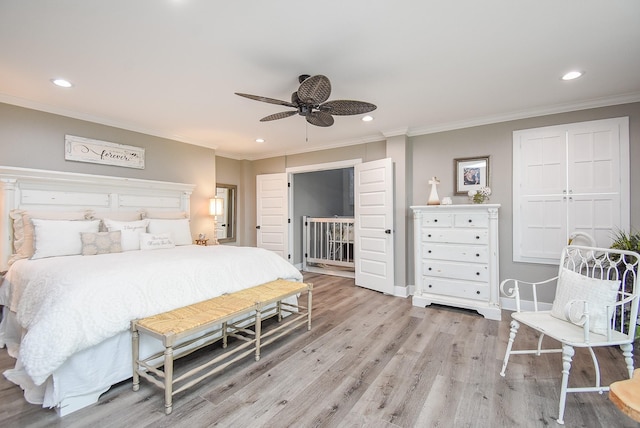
x,y
596,304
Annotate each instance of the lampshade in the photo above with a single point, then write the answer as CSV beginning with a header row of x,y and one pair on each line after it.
x,y
216,206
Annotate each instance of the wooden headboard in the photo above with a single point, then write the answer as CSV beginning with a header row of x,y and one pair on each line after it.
x,y
32,189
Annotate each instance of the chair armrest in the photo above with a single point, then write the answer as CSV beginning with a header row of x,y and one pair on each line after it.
x,y
511,288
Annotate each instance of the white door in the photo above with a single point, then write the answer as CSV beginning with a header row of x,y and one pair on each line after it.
x,y
373,252
272,213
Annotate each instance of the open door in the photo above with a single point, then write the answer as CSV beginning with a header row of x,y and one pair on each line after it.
x,y
373,183
272,213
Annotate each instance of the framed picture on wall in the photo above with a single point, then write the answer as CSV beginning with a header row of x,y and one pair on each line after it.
x,y
471,173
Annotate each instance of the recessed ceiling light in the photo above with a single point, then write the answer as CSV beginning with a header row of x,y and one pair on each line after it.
x,y
572,75
62,83
259,140
367,118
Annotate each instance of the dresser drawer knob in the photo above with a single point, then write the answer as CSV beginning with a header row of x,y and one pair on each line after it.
x,y
478,292
470,221
429,236
477,255
478,273
430,285
477,237
435,220
429,251
429,268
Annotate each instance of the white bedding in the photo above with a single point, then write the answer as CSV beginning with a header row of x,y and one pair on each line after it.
x,y
68,304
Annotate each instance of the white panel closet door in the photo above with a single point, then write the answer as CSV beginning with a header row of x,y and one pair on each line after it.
x,y
373,182
272,213
569,178
541,212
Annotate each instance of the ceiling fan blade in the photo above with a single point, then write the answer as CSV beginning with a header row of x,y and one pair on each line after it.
x,y
315,90
280,115
347,107
266,99
320,118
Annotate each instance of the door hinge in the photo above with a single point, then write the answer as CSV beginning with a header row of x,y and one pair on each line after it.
x,y
289,220
289,256
288,184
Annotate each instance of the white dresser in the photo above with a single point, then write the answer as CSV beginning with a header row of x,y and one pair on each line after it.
x,y
456,257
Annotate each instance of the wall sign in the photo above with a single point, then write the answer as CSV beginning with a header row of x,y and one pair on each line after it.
x,y
95,151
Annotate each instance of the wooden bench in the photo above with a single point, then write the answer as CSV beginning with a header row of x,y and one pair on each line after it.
x,y
187,329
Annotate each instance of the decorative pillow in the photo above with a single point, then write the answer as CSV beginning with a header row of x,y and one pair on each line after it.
x,y
596,292
151,241
131,231
23,228
167,215
101,243
60,237
117,216
178,229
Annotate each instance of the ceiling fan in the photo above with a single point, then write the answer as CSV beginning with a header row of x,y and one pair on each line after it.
x,y
309,101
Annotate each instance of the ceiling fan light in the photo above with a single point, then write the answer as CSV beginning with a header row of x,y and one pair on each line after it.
x,y
572,75
63,83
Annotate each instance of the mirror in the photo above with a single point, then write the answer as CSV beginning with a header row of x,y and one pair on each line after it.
x,y
226,223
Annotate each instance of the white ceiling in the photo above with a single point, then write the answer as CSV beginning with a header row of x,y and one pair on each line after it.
x,y
170,67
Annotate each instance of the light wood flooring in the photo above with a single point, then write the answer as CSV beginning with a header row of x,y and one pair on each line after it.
x,y
370,360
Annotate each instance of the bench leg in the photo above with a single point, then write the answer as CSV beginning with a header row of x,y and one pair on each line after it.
x,y
135,352
258,331
309,310
168,379
224,335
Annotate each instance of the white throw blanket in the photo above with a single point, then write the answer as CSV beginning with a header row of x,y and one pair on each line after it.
x,y
67,304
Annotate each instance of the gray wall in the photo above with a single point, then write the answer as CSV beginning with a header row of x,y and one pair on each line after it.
x,y
433,155
34,139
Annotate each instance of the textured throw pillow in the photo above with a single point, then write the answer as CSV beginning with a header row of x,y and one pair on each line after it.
x,y
130,232
100,243
60,237
23,228
596,292
178,229
151,241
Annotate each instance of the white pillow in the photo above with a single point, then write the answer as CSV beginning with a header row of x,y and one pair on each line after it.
x,y
178,229
23,228
150,241
131,231
60,237
596,292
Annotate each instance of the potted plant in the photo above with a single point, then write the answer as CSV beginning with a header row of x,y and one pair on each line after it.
x,y
631,242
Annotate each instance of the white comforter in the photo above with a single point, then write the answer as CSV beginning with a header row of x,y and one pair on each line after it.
x,y
67,304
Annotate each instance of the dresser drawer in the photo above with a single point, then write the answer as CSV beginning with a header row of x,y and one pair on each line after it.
x,y
462,289
471,220
456,252
455,236
467,271
437,220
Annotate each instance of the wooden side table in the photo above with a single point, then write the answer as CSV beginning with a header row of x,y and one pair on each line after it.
x,y
202,242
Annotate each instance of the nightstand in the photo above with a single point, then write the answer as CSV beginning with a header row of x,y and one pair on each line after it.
x,y
202,242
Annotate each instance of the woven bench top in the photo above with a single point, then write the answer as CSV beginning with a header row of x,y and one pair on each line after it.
x,y
213,310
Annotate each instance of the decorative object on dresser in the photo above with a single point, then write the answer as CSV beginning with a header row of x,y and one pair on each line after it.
x,y
433,195
470,174
456,257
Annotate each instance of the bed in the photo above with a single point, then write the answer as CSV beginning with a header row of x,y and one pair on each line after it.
x,y
66,314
